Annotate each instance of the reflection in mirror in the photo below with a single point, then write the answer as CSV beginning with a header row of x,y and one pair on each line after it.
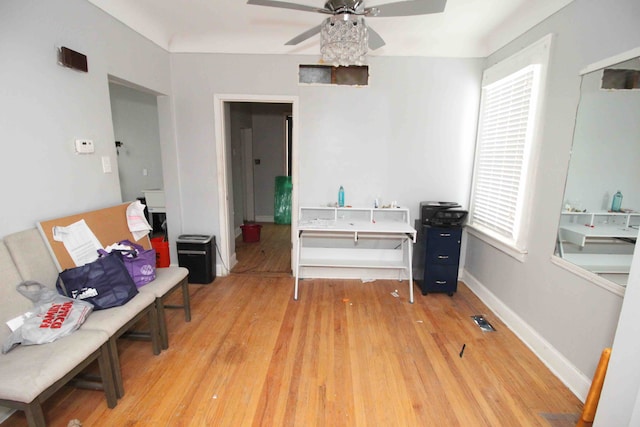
x,y
601,209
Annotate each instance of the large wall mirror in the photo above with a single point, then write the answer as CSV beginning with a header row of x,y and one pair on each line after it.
x,y
601,207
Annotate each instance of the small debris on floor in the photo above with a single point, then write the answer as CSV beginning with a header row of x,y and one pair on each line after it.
x,y
215,396
345,299
74,423
419,321
368,280
462,351
395,294
482,323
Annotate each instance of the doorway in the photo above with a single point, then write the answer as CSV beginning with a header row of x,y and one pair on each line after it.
x,y
136,129
243,119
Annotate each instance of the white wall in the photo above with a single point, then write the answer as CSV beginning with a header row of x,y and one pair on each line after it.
x,y
408,136
567,319
135,125
44,107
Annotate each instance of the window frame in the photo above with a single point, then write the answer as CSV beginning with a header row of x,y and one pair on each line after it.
x,y
535,54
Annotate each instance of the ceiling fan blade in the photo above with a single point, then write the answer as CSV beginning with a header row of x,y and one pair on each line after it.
x,y
406,8
302,37
375,41
287,5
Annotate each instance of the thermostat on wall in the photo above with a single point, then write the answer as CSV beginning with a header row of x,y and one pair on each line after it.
x,y
84,146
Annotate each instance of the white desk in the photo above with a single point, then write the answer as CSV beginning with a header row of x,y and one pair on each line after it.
x,y
579,233
335,225
580,228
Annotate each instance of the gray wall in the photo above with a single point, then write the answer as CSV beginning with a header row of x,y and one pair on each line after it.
x,y
135,124
408,136
607,129
571,319
240,118
44,107
269,130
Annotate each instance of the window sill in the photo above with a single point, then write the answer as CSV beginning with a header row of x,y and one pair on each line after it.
x,y
507,248
614,288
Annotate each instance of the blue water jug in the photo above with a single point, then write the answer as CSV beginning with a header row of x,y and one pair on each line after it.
x,y
341,197
616,204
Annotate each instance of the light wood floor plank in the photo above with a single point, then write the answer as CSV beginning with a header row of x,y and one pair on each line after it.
x,y
346,354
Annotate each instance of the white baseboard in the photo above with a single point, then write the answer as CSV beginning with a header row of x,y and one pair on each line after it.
x,y
221,271
575,380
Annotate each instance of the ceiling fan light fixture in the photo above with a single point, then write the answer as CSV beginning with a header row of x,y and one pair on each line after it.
x,y
344,40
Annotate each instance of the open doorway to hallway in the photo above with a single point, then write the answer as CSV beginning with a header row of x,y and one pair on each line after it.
x,y
135,117
259,152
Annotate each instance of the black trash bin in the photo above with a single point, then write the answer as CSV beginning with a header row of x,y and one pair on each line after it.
x,y
197,253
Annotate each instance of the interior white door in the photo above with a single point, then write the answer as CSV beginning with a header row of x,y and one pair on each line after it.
x,y
246,140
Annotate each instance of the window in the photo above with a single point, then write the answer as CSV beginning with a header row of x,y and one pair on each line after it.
x,y
506,148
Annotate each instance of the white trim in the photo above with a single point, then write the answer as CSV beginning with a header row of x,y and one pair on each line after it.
x,y
614,288
537,53
612,60
246,144
220,269
561,367
223,197
265,218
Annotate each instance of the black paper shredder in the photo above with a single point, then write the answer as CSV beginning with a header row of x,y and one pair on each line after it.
x,y
196,253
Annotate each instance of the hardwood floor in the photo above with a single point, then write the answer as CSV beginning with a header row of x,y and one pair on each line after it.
x,y
346,354
271,255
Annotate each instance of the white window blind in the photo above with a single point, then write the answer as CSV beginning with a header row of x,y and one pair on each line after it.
x,y
505,132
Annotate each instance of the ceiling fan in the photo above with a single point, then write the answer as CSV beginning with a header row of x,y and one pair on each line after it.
x,y
354,11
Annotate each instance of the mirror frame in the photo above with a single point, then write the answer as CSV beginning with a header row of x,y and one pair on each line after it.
x,y
555,259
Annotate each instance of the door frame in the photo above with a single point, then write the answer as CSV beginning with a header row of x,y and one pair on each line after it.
x,y
246,142
223,171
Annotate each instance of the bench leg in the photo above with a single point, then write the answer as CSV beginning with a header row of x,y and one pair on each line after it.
x,y
162,324
186,300
115,366
107,376
154,328
35,416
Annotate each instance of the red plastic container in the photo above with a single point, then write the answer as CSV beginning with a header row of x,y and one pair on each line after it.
x,y
250,232
162,252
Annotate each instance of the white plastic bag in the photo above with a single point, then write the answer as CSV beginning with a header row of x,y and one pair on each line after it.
x,y
53,316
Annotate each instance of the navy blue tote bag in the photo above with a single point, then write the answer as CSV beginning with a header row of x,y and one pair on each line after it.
x,y
105,283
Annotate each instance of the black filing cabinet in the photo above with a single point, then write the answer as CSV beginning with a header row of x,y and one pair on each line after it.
x,y
440,252
196,253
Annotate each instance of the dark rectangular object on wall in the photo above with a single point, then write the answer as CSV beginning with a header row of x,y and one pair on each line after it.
x,y
72,59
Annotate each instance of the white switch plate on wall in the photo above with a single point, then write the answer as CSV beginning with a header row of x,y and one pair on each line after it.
x,y
84,146
106,164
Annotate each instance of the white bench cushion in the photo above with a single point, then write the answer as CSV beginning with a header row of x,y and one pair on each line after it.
x,y
27,371
166,279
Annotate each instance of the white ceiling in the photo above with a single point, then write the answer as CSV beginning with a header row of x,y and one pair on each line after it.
x,y
467,28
